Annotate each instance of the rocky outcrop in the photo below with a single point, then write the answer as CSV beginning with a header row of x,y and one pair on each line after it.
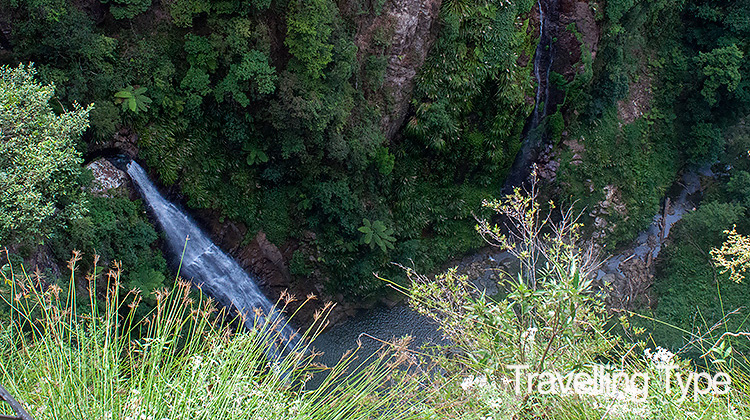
x,y
638,101
412,29
548,163
107,177
266,260
577,33
38,263
572,38
611,204
258,256
123,142
269,265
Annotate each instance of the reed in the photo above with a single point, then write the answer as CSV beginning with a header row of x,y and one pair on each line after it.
x,y
67,360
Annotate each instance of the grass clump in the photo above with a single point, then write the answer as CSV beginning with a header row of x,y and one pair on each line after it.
x,y
99,361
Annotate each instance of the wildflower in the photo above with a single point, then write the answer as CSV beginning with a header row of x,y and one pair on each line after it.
x,y
661,357
472,381
197,361
529,334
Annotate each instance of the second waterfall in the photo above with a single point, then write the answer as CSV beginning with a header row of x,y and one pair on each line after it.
x,y
534,132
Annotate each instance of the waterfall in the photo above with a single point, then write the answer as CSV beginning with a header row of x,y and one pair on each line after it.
x,y
210,269
534,132
544,57
538,70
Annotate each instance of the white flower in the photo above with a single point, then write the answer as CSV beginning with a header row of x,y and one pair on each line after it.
x,y
529,334
661,357
471,381
197,361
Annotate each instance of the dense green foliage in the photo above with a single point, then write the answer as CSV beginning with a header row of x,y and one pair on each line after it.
x,y
269,113
44,194
179,362
117,231
693,293
550,320
40,167
681,64
473,71
637,157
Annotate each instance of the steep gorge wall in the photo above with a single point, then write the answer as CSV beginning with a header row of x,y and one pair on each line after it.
x,y
410,29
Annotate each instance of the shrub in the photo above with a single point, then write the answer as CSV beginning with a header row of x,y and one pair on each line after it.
x,y
39,164
550,317
127,9
117,230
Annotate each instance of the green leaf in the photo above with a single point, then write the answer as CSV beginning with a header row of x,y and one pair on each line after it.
x,y
364,229
376,233
133,100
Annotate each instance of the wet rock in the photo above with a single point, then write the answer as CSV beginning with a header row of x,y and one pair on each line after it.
x,y
230,235
577,14
125,141
265,260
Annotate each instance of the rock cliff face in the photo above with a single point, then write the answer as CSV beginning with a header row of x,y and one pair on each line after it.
x,y
411,28
258,256
568,43
269,264
577,34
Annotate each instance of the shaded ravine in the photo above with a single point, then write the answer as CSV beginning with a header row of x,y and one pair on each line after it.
x,y
223,279
210,269
628,273
220,276
385,323
485,266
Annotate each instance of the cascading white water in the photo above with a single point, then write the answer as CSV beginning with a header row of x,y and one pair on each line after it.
x,y
543,61
534,131
538,69
210,269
